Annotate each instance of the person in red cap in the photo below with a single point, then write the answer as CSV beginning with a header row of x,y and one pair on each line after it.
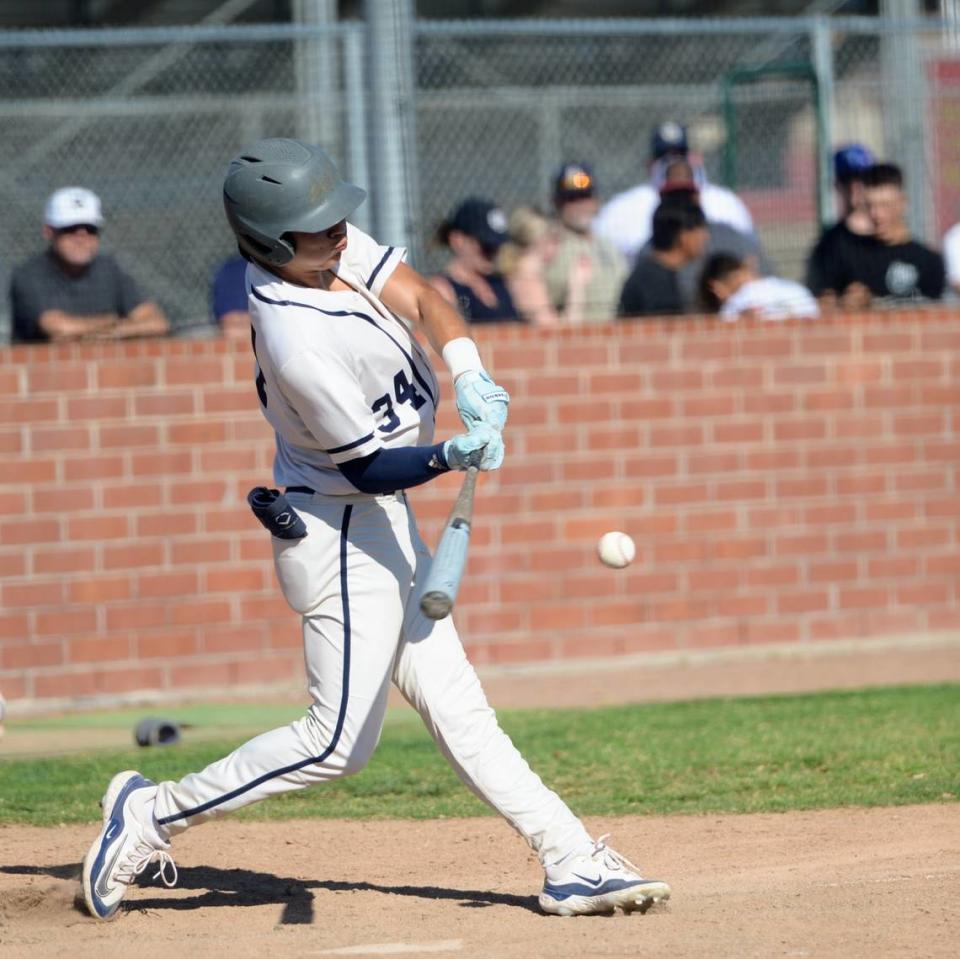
x,y
569,276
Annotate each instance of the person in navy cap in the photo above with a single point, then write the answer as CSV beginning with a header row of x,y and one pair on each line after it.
x,y
669,138
474,233
627,218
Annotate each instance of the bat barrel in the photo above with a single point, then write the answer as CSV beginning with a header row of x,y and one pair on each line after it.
x,y
450,559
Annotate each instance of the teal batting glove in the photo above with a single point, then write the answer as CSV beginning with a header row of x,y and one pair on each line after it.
x,y
482,447
480,400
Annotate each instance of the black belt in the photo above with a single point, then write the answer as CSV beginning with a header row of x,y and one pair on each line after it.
x,y
311,492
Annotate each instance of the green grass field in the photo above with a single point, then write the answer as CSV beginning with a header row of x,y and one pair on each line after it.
x,y
877,747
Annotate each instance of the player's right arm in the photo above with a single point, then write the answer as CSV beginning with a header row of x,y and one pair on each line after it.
x,y
415,297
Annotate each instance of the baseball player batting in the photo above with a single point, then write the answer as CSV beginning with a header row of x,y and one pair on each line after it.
x,y
352,399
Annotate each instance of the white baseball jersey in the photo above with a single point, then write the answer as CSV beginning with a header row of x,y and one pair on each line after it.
x,y
339,376
626,220
771,298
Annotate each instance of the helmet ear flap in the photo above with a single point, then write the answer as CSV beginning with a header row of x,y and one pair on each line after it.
x,y
276,252
286,247
280,252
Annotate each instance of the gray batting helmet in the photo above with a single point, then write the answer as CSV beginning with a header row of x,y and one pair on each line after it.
x,y
277,186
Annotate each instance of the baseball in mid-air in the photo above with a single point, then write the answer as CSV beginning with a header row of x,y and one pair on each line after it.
x,y
616,549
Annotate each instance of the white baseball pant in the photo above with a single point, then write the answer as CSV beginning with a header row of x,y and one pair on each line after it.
x,y
354,580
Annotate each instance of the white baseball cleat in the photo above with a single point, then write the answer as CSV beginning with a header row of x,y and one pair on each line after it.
x,y
599,882
128,842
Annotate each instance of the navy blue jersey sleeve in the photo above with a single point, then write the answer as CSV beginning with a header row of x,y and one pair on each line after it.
x,y
390,469
230,289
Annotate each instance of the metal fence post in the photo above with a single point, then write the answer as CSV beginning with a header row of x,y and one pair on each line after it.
x,y
821,42
549,143
358,162
905,96
315,64
389,35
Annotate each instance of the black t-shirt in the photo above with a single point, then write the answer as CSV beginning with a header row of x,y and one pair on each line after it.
x,y
476,311
651,289
40,284
824,259
898,272
721,238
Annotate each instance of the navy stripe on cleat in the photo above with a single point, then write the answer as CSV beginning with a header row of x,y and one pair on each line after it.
x,y
127,843
599,883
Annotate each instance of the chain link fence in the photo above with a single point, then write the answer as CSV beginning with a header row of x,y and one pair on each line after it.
x,y
149,118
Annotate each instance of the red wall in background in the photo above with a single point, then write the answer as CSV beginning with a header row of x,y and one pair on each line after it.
x,y
784,484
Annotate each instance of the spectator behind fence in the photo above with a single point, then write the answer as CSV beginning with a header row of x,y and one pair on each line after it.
x,y
680,182
951,256
532,240
733,287
626,220
229,298
850,163
474,233
889,266
679,238
565,275
72,291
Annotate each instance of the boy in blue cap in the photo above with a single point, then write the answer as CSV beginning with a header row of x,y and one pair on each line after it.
x,y
850,164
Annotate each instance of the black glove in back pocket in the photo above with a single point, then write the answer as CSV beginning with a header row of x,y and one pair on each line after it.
x,y
272,508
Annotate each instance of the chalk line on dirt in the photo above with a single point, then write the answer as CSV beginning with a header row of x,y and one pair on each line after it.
x,y
395,948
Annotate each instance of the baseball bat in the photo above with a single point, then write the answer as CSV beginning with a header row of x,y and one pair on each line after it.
x,y
450,559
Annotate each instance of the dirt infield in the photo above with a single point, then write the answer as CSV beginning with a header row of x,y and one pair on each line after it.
x,y
863,882
839,883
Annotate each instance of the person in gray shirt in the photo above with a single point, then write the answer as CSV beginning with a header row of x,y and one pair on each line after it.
x,y
71,291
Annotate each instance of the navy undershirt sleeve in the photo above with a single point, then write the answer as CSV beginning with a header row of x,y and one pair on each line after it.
x,y
387,470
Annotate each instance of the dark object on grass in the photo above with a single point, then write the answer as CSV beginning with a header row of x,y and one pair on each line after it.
x,y
157,732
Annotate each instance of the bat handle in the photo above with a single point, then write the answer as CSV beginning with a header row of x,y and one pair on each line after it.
x,y
435,604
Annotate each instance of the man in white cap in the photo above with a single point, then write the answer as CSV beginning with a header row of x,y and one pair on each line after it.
x,y
72,291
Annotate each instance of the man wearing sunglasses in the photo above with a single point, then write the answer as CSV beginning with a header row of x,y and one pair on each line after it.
x,y
71,291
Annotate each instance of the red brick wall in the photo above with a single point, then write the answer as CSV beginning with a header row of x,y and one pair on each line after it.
x,y
784,484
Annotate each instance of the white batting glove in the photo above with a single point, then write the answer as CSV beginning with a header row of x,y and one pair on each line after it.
x,y
482,446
